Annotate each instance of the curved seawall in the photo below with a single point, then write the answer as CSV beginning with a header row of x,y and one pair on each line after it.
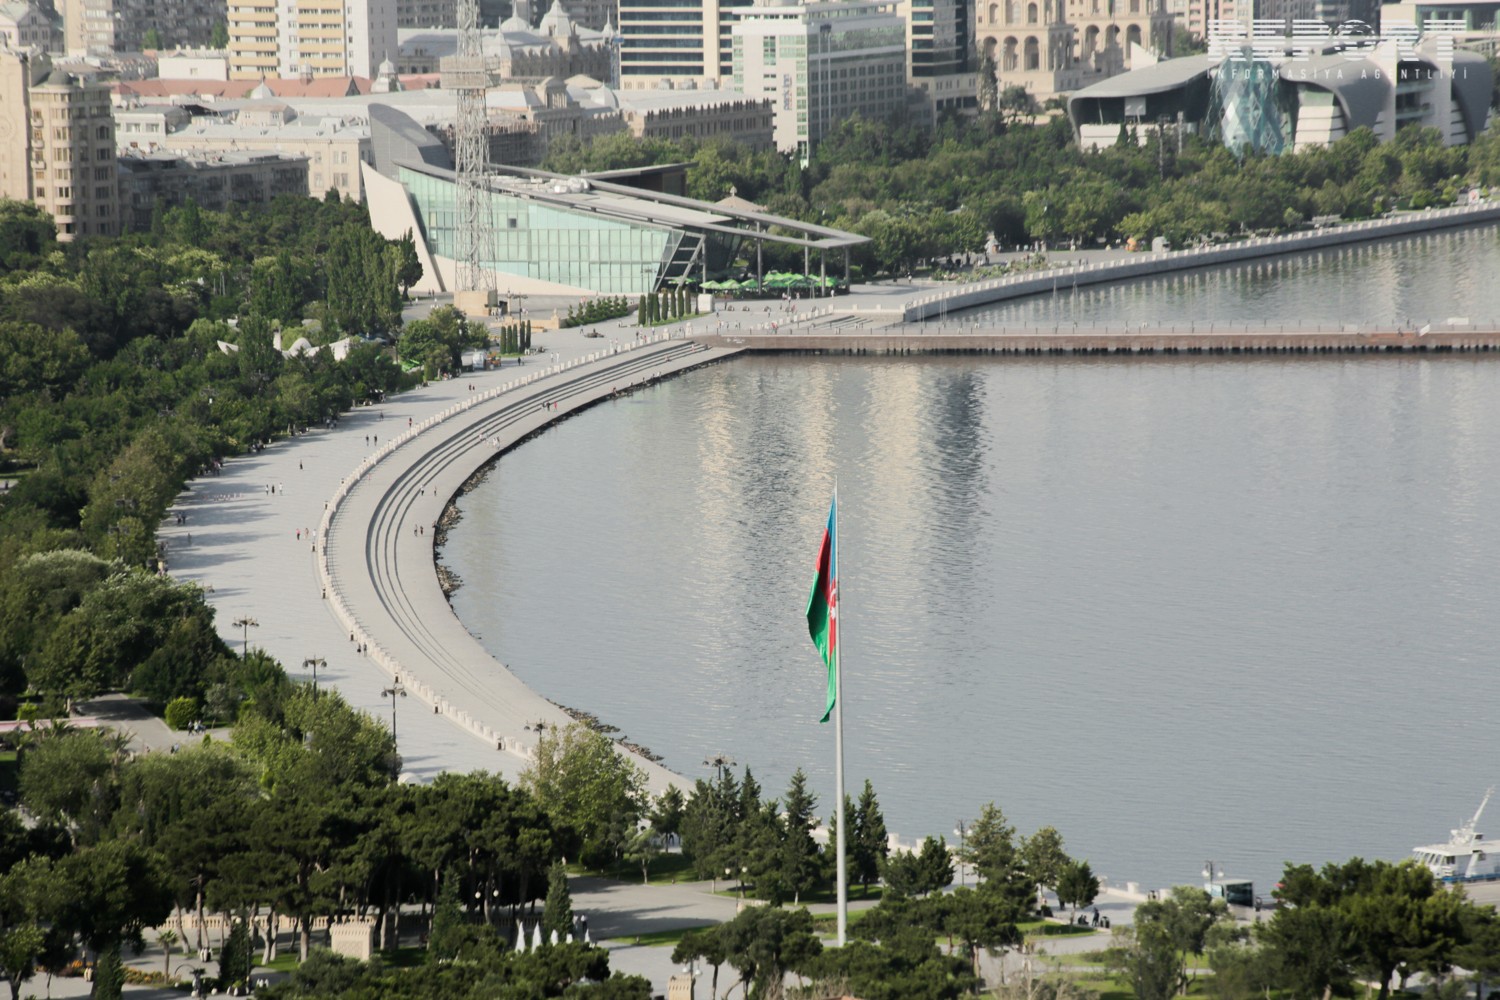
x,y
967,296
376,558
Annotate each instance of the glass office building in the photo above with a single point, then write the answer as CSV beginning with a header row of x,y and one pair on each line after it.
x,y
589,233
549,242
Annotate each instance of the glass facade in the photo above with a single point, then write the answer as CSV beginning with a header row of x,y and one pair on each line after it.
x,y
1248,107
549,242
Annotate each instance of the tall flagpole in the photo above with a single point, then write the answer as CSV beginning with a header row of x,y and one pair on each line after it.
x,y
838,732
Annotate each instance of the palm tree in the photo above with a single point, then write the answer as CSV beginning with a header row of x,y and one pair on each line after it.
x,y
166,939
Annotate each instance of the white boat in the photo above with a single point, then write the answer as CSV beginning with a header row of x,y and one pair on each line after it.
x,y
1467,856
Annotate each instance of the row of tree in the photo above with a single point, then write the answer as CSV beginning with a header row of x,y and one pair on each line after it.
x,y
1345,925
115,388
666,305
923,195
597,310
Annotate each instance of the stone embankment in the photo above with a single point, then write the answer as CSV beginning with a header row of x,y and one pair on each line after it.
x,y
375,560
966,296
1206,338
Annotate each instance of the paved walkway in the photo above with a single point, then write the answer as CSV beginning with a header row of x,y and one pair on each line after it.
x,y
145,731
249,540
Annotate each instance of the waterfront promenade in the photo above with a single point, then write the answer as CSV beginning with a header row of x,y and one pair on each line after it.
x,y
900,308
329,535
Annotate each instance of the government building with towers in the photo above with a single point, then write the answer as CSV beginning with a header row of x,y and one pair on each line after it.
x,y
1051,47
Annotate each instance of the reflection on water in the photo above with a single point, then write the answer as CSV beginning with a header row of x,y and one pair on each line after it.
x,y
1179,608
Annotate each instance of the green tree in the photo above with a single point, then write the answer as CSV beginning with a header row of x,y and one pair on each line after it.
x,y
707,945
800,863
667,813
643,848
1077,885
1309,950
585,782
557,913
408,264
710,824
1149,959
869,843
921,872
27,235
234,958
1043,857
763,942
72,777
448,930
1186,918
978,920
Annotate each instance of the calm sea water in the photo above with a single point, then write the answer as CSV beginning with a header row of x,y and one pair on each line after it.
x,y
1182,609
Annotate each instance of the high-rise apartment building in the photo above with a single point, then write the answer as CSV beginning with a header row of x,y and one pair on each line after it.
x,y
941,60
426,14
57,145
676,40
821,64
102,27
310,37
1203,13
595,14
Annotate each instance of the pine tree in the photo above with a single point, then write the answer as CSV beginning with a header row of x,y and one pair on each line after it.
x,y
557,911
869,844
447,922
109,974
799,854
234,960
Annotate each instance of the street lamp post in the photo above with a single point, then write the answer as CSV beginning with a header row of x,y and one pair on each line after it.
x,y
315,662
740,887
197,975
719,762
1209,870
246,624
393,692
961,831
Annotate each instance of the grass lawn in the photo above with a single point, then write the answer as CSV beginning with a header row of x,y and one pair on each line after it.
x,y
1076,958
1047,928
667,869
285,961
828,923
404,958
819,895
665,939
9,773
1108,987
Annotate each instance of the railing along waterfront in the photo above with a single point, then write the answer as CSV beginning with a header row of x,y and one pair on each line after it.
x,y
1136,338
968,295
328,574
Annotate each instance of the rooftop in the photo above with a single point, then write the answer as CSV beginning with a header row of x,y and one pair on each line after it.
x,y
604,198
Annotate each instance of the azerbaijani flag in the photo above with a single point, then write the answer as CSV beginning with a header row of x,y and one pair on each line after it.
x,y
823,604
